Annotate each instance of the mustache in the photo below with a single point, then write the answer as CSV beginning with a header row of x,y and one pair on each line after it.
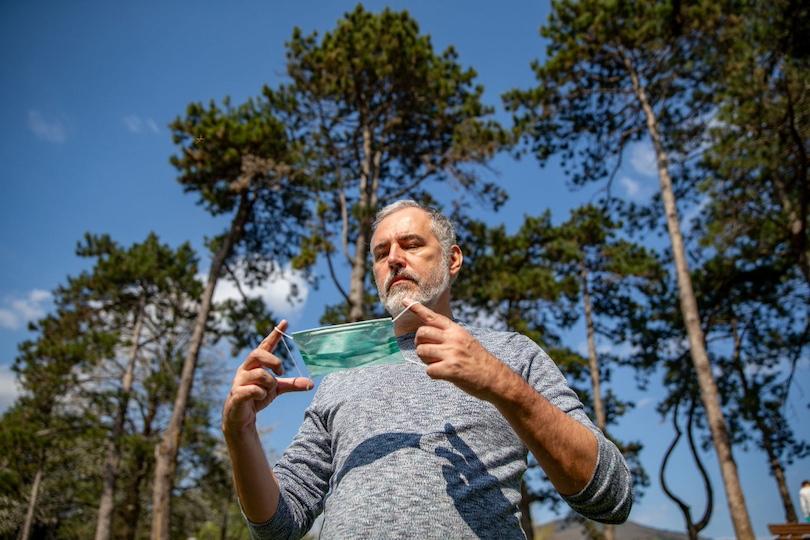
x,y
400,273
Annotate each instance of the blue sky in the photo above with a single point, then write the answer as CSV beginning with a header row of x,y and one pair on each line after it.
x,y
88,88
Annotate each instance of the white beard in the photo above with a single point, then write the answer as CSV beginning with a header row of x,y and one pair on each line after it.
x,y
427,291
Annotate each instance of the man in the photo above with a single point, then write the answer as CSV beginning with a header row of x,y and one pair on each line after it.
x,y
434,450
804,499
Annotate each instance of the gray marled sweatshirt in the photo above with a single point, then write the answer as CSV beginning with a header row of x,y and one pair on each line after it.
x,y
388,452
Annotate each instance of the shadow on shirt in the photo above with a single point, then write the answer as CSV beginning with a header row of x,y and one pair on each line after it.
x,y
476,493
376,447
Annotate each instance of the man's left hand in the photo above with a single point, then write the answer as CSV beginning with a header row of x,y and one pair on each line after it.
x,y
452,354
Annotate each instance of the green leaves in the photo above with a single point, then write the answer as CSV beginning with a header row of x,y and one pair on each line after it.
x,y
757,166
510,278
379,115
73,375
603,58
377,102
216,143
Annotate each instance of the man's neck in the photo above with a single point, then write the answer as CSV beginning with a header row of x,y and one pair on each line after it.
x,y
406,324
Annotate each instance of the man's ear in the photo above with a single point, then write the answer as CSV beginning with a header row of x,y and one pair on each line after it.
x,y
456,261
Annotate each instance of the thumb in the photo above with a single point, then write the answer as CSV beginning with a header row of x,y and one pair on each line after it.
x,y
294,384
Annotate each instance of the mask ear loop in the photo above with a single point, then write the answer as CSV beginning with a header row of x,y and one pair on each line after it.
x,y
417,362
406,309
284,341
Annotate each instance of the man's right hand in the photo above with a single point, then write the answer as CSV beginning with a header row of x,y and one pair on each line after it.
x,y
254,388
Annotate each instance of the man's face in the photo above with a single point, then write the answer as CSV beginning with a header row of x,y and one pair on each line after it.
x,y
408,261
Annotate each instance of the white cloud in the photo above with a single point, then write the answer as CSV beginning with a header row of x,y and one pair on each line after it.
x,y
18,311
639,189
631,187
645,402
8,387
642,159
136,124
8,319
47,130
274,292
133,123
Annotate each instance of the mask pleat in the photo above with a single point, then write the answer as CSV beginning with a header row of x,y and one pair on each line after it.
x,y
345,346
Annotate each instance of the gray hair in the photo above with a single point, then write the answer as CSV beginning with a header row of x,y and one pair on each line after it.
x,y
440,225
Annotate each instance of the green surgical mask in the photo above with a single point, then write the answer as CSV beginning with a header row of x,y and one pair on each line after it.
x,y
345,346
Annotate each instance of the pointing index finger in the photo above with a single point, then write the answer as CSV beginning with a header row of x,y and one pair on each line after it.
x,y
269,343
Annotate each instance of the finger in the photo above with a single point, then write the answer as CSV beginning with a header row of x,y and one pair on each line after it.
x,y
255,385
247,392
255,377
297,384
425,314
429,354
262,358
429,334
269,343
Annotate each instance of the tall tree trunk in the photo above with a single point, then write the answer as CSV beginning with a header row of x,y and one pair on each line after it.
x,y
131,511
798,217
32,501
689,310
106,507
593,361
142,464
608,532
366,206
779,475
166,452
223,531
764,429
525,511
357,289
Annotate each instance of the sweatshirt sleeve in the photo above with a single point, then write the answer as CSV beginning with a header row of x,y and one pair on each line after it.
x,y
608,497
303,474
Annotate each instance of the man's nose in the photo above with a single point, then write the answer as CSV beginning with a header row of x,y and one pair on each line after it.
x,y
396,257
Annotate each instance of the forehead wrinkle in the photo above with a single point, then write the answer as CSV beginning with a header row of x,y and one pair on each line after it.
x,y
403,228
